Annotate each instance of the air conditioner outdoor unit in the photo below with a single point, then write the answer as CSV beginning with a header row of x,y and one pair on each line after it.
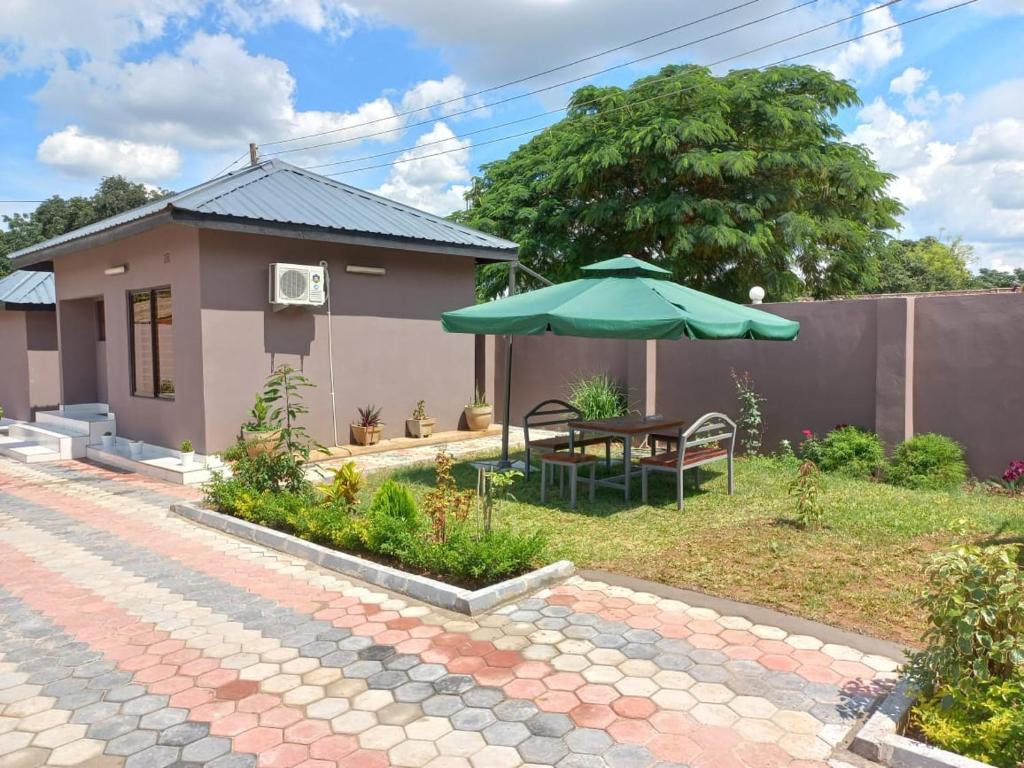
x,y
296,285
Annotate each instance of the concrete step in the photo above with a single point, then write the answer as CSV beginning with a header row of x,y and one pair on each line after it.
x,y
92,420
57,439
28,452
154,461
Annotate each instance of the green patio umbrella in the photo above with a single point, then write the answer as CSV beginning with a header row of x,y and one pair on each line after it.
x,y
621,298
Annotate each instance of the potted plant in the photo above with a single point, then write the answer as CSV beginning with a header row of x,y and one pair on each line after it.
x,y
108,440
187,454
135,448
479,412
260,434
366,430
420,425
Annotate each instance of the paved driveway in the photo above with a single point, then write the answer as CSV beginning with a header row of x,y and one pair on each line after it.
x,y
128,637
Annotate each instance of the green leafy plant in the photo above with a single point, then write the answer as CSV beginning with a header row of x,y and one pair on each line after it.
x,y
805,487
259,417
974,599
420,411
928,462
479,398
393,520
986,724
369,417
266,472
852,452
446,504
284,399
186,446
785,450
343,490
497,487
751,421
810,448
597,397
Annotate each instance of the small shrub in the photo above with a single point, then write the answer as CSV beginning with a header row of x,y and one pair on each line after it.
x,y
751,421
928,462
851,451
420,411
597,397
393,519
267,472
470,556
986,725
186,446
810,447
343,490
974,599
805,487
785,450
446,504
369,417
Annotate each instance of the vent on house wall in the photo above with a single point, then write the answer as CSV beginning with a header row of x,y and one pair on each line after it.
x,y
296,285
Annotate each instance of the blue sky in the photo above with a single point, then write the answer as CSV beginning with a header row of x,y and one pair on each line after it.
x,y
170,91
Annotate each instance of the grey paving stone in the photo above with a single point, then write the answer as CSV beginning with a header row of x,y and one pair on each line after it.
x,y
483,696
579,632
93,713
112,727
744,667
143,705
706,656
545,750
363,669
318,649
387,680
338,659
707,673
549,724
673,661
628,756
472,719
515,710
505,734
130,743
453,684
183,733
355,643
234,760
608,640
70,685
206,749
377,652
584,619
154,757
78,699
427,673
582,761
588,741
413,692
552,623
748,686
403,662
642,636
164,718
559,611
787,681
639,650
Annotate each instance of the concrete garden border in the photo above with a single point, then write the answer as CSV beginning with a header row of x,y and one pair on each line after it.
x,y
879,739
459,599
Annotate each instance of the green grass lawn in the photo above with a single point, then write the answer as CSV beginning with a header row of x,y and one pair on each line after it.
x,y
862,570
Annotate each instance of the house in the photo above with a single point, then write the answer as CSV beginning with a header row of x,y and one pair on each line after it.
x,y
163,312
28,344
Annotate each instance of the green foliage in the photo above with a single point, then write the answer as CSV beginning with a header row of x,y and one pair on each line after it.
x,y
919,266
996,278
446,505
472,556
497,487
420,411
805,487
727,181
259,417
368,416
975,603
928,462
597,397
282,396
985,725
266,472
810,448
751,422
343,490
186,446
852,452
479,398
57,215
393,521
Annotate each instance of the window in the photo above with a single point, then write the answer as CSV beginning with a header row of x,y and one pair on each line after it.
x,y
152,343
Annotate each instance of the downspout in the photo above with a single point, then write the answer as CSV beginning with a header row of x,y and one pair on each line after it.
x,y
330,349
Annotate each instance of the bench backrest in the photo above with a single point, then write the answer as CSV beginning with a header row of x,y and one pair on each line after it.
x,y
709,428
547,414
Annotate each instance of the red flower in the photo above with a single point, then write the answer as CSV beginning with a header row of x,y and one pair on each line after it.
x,y
807,434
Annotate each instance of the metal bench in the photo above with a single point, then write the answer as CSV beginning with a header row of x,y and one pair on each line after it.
x,y
572,462
700,444
558,413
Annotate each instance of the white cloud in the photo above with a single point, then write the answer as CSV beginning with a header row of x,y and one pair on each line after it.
x,y
333,17
80,154
957,175
430,181
870,54
909,82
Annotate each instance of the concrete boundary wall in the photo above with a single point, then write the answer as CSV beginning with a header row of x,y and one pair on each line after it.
x,y
897,365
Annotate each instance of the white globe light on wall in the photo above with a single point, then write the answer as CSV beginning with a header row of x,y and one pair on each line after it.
x,y
756,294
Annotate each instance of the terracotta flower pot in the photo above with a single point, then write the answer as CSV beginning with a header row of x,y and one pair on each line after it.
x,y
259,443
366,435
420,427
478,417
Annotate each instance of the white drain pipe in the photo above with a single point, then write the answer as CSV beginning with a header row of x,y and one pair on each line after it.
x,y
330,349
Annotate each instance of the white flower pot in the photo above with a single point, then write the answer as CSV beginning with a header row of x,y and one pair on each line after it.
x,y
108,442
187,458
135,449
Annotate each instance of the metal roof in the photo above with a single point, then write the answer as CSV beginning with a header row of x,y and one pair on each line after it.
x,y
278,192
25,287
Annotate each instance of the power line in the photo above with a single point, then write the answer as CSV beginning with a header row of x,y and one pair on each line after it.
x,y
552,87
518,80
604,98
676,93
22,201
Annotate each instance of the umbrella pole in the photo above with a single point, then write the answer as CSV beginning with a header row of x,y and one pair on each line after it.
x,y
505,463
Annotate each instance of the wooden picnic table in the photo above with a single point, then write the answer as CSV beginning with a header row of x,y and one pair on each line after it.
x,y
625,428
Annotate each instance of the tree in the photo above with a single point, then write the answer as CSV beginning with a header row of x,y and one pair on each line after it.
x,y
726,181
920,266
58,215
997,278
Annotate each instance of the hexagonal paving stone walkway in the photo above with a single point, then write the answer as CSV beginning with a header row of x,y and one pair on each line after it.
x,y
132,638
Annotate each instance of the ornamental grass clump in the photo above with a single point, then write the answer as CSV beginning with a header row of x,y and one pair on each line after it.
x,y
852,452
597,397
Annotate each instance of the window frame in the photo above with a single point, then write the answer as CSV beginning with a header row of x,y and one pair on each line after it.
x,y
154,340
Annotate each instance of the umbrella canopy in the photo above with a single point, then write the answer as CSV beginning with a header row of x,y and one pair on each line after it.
x,y
621,298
